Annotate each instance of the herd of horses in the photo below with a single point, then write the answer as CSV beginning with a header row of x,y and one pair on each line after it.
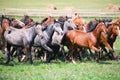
x,y
49,38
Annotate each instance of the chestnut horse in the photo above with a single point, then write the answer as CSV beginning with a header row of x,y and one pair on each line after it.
x,y
113,32
117,22
88,40
3,28
80,23
47,21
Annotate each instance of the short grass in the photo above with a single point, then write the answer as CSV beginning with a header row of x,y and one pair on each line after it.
x,y
60,4
58,70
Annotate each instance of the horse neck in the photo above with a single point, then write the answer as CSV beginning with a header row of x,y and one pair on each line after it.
x,y
67,26
110,31
49,30
96,32
32,31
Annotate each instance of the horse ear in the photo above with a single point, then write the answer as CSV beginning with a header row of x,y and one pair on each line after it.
x,y
37,23
12,19
3,16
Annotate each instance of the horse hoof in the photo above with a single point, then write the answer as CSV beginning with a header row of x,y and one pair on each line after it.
x,y
6,62
12,64
117,58
74,62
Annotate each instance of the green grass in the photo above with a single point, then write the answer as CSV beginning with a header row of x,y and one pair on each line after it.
x,y
57,70
107,70
60,4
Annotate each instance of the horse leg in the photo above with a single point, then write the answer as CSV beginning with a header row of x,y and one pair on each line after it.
x,y
47,48
8,56
112,52
78,53
7,51
71,51
50,51
19,53
87,53
62,50
97,52
30,55
33,53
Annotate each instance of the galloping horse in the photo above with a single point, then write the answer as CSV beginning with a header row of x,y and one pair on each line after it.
x,y
113,32
14,23
20,37
88,40
45,41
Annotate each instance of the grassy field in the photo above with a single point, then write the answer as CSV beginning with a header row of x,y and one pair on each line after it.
x,y
60,4
57,70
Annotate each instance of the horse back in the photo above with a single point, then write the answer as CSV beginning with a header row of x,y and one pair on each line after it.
x,y
81,38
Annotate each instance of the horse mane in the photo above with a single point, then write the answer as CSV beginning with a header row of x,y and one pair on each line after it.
x,y
45,19
91,26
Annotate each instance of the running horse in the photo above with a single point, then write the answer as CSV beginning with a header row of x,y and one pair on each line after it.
x,y
19,37
89,40
14,23
113,32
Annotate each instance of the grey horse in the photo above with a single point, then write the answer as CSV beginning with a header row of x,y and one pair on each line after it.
x,y
22,38
45,41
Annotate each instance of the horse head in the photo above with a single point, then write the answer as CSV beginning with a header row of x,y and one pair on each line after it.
x,y
5,23
17,23
39,29
58,28
69,25
58,34
114,29
102,27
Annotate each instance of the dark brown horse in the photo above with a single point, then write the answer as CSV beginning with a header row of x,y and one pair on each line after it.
x,y
88,40
113,32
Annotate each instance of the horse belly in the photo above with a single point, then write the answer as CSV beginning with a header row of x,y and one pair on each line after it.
x,y
84,40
